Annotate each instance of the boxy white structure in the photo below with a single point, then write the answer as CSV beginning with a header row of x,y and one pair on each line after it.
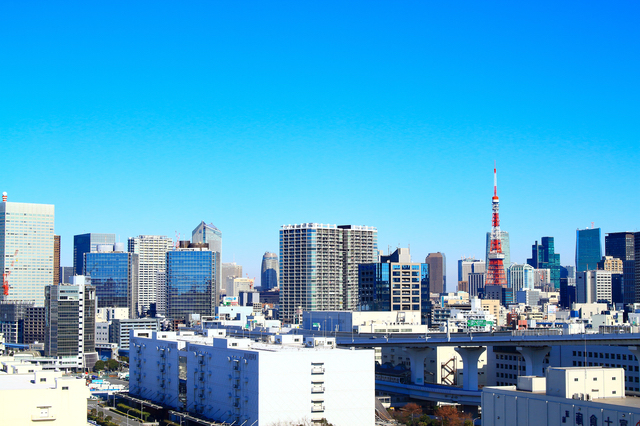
x,y
572,395
286,379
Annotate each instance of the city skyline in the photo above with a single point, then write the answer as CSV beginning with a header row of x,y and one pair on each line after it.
x,y
304,114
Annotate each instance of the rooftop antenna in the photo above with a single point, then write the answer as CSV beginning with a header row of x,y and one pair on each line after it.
x,y
591,225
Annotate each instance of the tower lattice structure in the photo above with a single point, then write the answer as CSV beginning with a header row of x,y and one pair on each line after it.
x,y
495,270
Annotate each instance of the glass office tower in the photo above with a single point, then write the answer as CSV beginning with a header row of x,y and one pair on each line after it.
x,y
269,275
191,282
115,277
543,256
26,250
588,249
87,243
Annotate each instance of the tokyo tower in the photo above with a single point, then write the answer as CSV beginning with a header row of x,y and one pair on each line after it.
x,y
495,271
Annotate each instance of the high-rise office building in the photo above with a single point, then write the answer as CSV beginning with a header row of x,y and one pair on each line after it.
x,y
269,273
230,271
191,282
87,243
152,257
543,256
66,272
621,245
56,259
209,234
593,287
395,284
319,266
437,272
588,249
70,321
114,274
521,277
468,266
26,250
504,245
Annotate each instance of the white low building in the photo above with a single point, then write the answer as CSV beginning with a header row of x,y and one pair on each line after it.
x,y
567,396
41,397
287,379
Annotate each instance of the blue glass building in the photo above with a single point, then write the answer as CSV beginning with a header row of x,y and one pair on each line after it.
x,y
115,277
191,285
543,256
87,243
588,249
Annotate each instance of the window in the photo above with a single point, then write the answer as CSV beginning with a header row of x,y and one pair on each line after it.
x,y
575,379
65,388
42,379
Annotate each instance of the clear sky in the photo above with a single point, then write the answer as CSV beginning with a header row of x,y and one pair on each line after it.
x,y
148,117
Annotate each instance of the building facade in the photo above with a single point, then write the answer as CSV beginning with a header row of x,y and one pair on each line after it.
x,y
191,282
152,257
395,284
588,249
269,273
594,287
230,271
208,234
114,274
437,272
70,313
543,256
521,277
319,266
87,243
283,381
26,250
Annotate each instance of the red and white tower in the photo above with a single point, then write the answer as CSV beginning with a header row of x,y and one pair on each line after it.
x,y
495,270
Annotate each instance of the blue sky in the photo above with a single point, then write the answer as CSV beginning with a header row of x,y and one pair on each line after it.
x,y
148,117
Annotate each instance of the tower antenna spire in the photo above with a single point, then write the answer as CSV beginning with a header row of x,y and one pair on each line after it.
x,y
495,271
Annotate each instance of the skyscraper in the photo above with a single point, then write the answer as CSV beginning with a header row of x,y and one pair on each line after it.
x,y
319,266
468,266
543,256
152,257
66,272
269,275
87,243
56,259
521,277
191,282
114,274
70,321
437,272
621,245
230,271
26,250
588,249
208,233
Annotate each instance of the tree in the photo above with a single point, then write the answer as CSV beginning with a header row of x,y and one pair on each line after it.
x,y
112,364
99,365
411,411
450,415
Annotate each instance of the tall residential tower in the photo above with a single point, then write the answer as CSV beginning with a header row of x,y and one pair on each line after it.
x,y
152,257
319,266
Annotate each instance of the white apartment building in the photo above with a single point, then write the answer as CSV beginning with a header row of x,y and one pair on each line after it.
x,y
254,383
42,397
152,257
319,266
26,249
567,396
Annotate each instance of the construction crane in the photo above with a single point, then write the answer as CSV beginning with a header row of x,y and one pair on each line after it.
x,y
5,276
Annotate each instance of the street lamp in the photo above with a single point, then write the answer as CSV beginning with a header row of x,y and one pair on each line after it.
x,y
128,415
